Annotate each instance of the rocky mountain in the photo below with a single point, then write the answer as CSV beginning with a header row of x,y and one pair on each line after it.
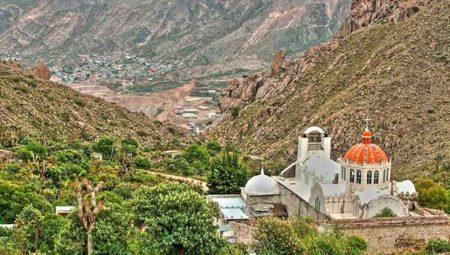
x,y
390,62
30,106
206,37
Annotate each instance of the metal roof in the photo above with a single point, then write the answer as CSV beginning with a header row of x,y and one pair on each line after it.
x,y
233,214
229,201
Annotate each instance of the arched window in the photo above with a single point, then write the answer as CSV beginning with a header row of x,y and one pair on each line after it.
x,y
387,175
358,176
369,177
376,176
384,175
352,175
345,173
317,203
342,172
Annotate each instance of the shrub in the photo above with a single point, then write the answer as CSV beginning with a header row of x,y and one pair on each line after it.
x,y
385,213
356,245
437,246
143,162
12,168
65,116
235,109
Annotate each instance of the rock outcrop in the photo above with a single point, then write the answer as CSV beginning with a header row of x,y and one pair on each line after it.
x,y
41,70
278,61
366,12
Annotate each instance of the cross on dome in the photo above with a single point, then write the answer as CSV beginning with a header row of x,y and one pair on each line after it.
x,y
367,122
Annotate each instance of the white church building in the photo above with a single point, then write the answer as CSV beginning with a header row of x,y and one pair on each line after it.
x,y
357,185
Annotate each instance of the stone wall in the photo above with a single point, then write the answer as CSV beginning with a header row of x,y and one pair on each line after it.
x,y
394,235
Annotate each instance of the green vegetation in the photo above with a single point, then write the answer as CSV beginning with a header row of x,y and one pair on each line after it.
x,y
119,209
277,237
385,213
227,174
433,195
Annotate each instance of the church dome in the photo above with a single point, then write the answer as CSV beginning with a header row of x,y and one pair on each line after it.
x,y
366,152
261,185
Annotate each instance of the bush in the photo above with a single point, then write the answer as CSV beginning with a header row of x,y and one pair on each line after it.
x,y
356,245
437,246
143,163
433,195
235,109
12,168
385,213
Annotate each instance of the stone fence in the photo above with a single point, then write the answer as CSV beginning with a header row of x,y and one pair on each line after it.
x,y
397,235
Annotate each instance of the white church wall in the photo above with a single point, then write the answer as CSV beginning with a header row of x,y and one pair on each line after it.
x,y
295,205
377,205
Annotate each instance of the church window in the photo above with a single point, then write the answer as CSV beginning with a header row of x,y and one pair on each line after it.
x,y
384,175
387,174
369,177
375,177
352,175
342,173
358,176
317,203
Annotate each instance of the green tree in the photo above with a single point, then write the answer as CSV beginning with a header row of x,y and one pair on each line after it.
x,y
214,148
113,230
226,174
30,225
196,152
276,237
129,146
176,219
105,146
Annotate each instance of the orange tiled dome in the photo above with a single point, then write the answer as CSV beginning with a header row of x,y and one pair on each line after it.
x,y
366,152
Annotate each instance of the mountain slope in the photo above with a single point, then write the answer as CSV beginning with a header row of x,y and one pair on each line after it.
x,y
33,107
205,36
397,73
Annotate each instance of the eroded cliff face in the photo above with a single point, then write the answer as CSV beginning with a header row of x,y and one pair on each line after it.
x,y
376,72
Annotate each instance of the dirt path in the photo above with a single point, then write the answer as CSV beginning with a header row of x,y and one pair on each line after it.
x,y
184,179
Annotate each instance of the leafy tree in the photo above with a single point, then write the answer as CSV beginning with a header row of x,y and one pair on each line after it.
x,y
196,152
276,237
129,146
32,150
385,213
30,226
105,145
176,220
112,231
214,148
226,174
326,244
14,198
233,249
68,156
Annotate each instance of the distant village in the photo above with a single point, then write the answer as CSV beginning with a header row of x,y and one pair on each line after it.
x,y
139,75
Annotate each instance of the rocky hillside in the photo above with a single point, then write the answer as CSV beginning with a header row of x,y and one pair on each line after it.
x,y
207,37
30,106
390,62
